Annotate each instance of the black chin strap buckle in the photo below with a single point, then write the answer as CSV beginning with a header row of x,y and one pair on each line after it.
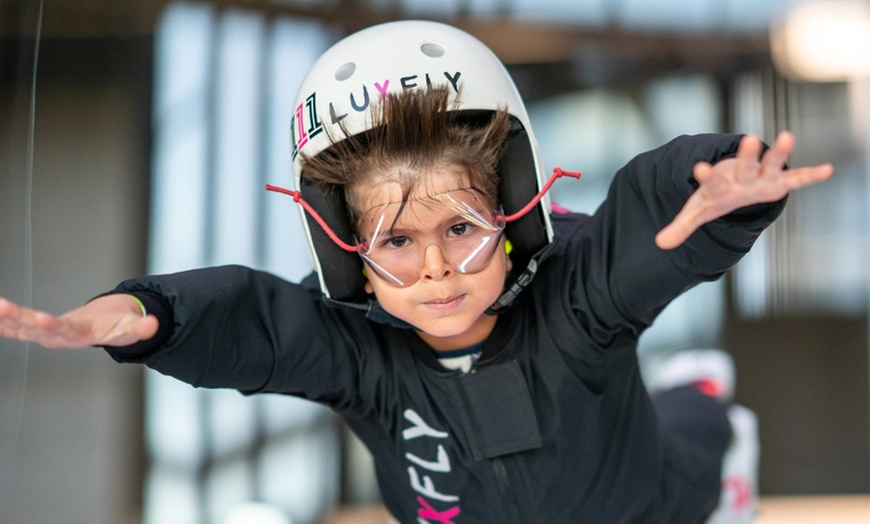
x,y
507,297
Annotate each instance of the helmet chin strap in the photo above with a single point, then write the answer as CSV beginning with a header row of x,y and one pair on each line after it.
x,y
510,294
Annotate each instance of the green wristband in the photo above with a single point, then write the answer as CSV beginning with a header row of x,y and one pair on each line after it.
x,y
141,305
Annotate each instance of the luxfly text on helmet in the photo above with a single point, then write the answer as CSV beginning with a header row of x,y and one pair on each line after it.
x,y
307,124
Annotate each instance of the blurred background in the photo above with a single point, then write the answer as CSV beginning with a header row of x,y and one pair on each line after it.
x,y
137,137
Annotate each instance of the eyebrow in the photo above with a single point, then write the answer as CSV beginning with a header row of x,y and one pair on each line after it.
x,y
405,205
444,224
408,231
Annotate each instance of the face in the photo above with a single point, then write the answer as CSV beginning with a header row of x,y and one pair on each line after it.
x,y
446,306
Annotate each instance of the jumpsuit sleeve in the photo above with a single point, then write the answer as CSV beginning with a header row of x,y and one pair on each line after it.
x,y
623,279
235,327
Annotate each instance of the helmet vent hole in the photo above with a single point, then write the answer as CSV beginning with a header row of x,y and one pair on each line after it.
x,y
344,72
432,50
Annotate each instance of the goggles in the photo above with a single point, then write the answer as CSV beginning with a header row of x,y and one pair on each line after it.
x,y
393,239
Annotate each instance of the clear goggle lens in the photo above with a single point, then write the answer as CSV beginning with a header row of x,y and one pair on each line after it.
x,y
394,238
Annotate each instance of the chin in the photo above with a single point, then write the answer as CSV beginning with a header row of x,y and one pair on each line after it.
x,y
443,330
455,333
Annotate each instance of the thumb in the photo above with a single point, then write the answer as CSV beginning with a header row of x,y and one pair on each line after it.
x,y
144,328
672,235
131,330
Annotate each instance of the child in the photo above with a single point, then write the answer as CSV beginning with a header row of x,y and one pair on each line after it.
x,y
482,350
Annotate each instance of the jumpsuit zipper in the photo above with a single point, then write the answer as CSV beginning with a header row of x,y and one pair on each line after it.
x,y
512,506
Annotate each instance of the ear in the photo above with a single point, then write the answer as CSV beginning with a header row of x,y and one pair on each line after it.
x,y
368,287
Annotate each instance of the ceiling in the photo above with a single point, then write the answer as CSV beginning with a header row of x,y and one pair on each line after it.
x,y
602,41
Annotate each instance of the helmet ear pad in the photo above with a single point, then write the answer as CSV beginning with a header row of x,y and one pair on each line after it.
x,y
341,272
518,186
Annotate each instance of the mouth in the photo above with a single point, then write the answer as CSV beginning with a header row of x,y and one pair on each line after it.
x,y
445,304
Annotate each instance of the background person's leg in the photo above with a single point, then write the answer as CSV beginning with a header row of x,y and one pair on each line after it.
x,y
711,445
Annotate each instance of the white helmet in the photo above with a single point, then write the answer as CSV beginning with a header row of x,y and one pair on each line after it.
x,y
388,58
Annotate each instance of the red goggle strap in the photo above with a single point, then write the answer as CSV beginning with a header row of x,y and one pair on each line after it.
x,y
297,197
557,173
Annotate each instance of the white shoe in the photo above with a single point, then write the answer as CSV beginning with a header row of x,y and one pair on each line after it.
x,y
738,503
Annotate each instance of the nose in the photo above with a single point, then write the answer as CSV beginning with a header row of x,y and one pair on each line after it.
x,y
435,266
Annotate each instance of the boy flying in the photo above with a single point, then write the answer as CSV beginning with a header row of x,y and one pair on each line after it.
x,y
483,350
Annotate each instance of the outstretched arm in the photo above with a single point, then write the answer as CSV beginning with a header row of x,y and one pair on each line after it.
x,y
737,182
110,320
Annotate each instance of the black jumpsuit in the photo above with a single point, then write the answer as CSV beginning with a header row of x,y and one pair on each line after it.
x,y
552,425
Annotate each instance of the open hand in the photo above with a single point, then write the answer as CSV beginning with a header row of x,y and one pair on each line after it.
x,y
111,320
739,182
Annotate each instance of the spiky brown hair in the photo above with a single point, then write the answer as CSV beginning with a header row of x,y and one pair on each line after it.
x,y
412,132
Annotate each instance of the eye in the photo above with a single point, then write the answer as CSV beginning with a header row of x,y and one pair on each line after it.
x,y
395,242
458,230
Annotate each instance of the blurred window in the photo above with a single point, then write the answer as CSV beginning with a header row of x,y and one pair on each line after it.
x,y
224,84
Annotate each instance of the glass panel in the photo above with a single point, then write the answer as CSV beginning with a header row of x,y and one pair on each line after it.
x,y
237,150
255,513
282,413
679,105
763,13
179,187
584,12
228,484
300,475
688,15
442,8
803,263
232,421
595,132
486,7
222,133
171,496
173,418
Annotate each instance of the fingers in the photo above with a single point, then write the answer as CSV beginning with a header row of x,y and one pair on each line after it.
x,y
49,331
8,311
29,325
687,221
702,172
748,152
774,165
775,158
108,321
751,164
17,322
806,176
8,314
672,236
